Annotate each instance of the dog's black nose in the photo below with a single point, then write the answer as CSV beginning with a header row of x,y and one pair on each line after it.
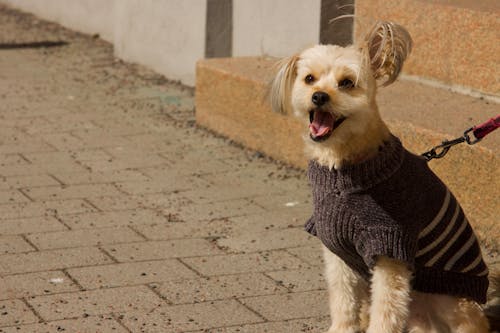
x,y
319,98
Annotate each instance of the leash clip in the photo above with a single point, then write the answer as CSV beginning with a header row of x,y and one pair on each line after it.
x,y
478,132
442,149
468,138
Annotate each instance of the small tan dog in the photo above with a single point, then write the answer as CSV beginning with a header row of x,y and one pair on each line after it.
x,y
400,255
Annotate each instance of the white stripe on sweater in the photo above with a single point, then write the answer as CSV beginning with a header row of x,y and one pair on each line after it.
x,y
473,264
460,252
438,255
485,272
438,217
443,235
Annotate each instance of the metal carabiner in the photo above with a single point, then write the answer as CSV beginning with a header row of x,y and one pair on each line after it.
x,y
444,146
468,138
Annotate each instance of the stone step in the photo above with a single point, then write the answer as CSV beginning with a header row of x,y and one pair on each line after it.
x,y
231,100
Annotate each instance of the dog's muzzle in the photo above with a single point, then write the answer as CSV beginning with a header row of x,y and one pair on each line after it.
x,y
322,124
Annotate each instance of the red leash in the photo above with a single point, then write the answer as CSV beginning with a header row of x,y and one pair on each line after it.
x,y
478,131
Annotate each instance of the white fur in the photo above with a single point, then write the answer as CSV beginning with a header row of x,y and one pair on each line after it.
x,y
390,298
390,306
347,292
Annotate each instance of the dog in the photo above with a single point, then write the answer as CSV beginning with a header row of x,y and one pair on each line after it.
x,y
400,254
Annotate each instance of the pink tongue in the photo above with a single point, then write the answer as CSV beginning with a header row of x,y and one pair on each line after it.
x,y
321,124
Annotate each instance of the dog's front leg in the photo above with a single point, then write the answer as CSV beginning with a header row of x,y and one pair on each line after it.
x,y
390,296
345,291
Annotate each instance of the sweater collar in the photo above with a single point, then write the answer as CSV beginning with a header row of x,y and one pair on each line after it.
x,y
361,176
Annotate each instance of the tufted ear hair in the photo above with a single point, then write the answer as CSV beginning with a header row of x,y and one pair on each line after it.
x,y
281,86
387,46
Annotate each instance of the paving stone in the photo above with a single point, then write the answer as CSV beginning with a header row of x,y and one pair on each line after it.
x,y
310,325
265,174
113,219
225,193
17,182
13,135
176,230
164,201
311,254
214,151
95,302
99,138
309,278
218,288
120,203
14,244
100,177
167,185
124,274
84,237
13,312
179,318
162,249
298,202
31,209
121,127
263,222
152,141
94,324
25,122
12,159
187,167
40,169
71,192
24,147
291,306
90,155
66,123
68,141
243,263
57,158
126,162
51,260
268,240
33,284
63,141
12,197
216,210
30,225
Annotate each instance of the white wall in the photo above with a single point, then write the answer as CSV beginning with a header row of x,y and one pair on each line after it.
x,y
166,35
274,27
89,16
169,35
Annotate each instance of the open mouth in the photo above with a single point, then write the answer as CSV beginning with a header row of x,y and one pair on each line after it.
x,y
322,124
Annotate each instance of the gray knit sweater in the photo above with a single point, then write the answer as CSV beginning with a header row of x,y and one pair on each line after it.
x,y
394,205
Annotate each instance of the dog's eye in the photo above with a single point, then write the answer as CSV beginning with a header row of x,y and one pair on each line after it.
x,y
346,84
309,79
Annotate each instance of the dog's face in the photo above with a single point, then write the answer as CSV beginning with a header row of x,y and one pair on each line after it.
x,y
333,88
333,92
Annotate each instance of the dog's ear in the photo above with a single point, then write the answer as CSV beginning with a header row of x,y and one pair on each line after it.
x,y
387,46
281,86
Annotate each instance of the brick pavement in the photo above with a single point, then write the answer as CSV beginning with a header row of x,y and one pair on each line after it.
x,y
118,215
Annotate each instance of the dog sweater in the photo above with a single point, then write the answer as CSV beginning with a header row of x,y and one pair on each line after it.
x,y
393,205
